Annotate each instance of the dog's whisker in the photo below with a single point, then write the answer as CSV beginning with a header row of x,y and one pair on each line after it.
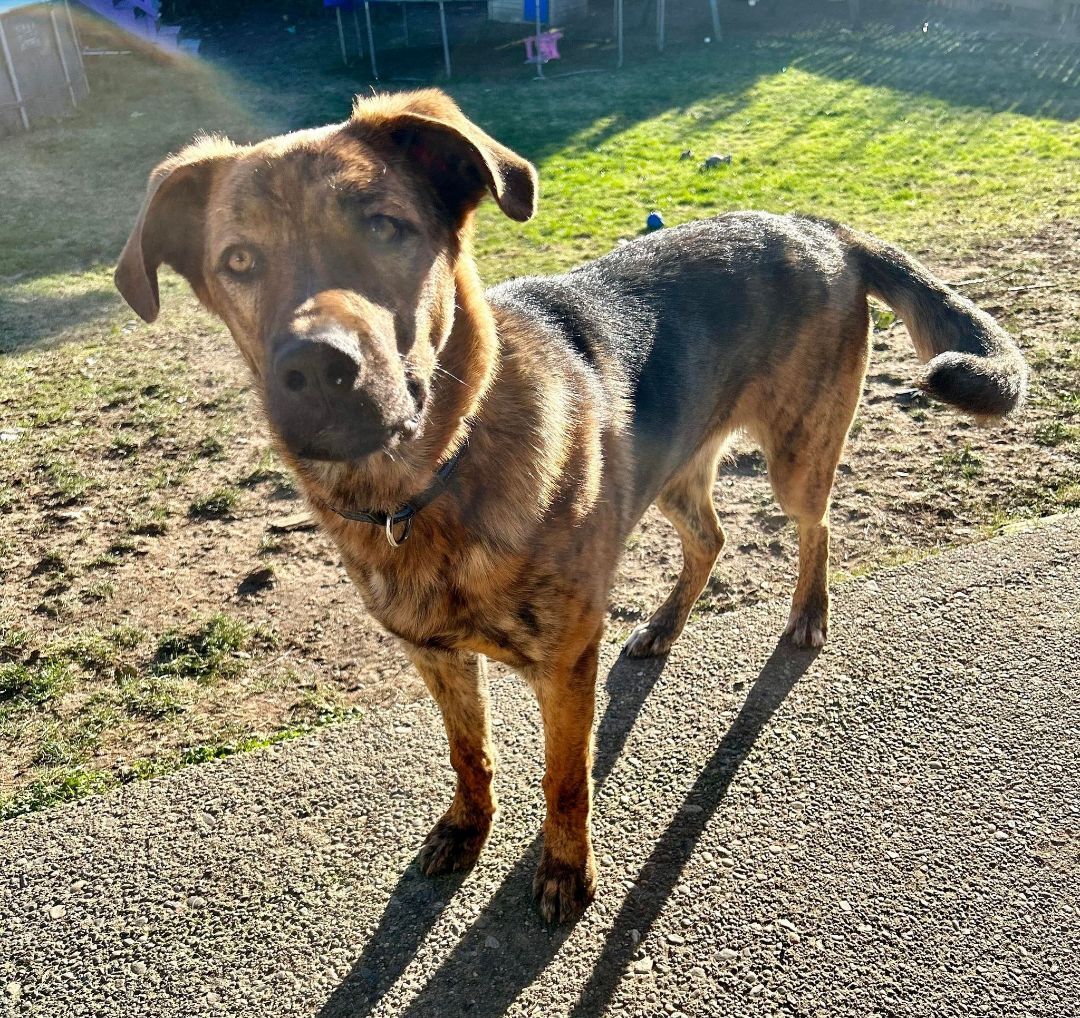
x,y
450,374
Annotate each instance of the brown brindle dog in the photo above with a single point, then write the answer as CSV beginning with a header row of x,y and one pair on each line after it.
x,y
515,437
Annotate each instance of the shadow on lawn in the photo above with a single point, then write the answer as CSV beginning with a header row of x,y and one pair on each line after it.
x,y
28,320
996,74
526,945
1024,76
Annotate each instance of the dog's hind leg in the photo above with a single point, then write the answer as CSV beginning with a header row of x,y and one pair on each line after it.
x,y
458,681
803,444
686,500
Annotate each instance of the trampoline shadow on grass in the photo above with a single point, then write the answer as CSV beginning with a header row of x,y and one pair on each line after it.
x,y
28,320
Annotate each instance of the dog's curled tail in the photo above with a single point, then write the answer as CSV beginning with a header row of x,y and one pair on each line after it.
x,y
971,361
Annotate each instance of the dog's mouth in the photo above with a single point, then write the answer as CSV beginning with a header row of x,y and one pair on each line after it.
x,y
343,445
365,427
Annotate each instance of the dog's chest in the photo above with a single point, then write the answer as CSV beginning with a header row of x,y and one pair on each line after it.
x,y
444,609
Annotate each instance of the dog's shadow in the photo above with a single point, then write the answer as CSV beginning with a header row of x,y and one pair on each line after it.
x,y
526,944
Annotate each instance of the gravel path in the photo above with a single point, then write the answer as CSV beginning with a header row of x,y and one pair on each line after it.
x,y
888,828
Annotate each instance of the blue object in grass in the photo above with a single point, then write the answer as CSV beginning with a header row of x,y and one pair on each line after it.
x,y
655,221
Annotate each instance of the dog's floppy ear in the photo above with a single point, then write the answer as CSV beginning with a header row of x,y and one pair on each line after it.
x,y
461,161
170,227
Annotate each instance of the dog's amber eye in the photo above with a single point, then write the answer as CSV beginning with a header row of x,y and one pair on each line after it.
x,y
239,260
383,229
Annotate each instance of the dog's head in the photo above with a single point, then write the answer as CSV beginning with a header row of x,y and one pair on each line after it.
x,y
330,254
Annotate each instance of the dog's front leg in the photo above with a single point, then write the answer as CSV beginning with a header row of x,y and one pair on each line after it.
x,y
565,881
459,684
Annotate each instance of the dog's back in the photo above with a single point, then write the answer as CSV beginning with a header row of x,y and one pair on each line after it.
x,y
686,322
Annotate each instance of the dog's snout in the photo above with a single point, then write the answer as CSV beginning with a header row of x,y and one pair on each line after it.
x,y
305,368
330,396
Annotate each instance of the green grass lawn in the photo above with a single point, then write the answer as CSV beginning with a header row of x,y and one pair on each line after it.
x,y
943,142
934,141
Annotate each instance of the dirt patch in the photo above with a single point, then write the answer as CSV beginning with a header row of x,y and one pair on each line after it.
x,y
141,499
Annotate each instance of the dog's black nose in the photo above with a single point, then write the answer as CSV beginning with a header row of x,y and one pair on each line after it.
x,y
305,369
326,400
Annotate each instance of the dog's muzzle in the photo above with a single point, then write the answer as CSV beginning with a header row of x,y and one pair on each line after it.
x,y
324,403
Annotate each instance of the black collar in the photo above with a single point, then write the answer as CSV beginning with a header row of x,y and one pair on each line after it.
x,y
404,514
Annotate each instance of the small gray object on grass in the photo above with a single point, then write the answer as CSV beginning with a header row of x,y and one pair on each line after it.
x,y
687,154
717,160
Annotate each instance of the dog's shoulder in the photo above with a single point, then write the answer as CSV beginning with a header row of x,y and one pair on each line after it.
x,y
589,318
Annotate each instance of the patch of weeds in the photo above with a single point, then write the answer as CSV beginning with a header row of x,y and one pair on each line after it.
x,y
210,448
66,743
218,505
122,447
126,637
1067,495
204,753
206,655
883,317
99,590
148,522
891,559
270,544
53,563
257,582
154,697
965,462
102,654
268,468
68,483
13,643
320,705
60,585
54,786
53,607
168,475
34,683
1055,433
59,749
103,561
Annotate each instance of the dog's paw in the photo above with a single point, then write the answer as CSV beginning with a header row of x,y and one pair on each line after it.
x,y
649,640
563,890
451,847
807,629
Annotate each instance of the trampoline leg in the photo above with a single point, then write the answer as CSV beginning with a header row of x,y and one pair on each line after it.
x,y
341,37
618,30
717,31
60,54
370,40
14,80
445,40
536,45
359,38
78,46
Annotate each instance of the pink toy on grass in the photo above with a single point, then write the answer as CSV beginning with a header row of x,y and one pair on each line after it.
x,y
548,45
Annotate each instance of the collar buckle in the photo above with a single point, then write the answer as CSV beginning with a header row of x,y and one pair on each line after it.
x,y
396,542
403,517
